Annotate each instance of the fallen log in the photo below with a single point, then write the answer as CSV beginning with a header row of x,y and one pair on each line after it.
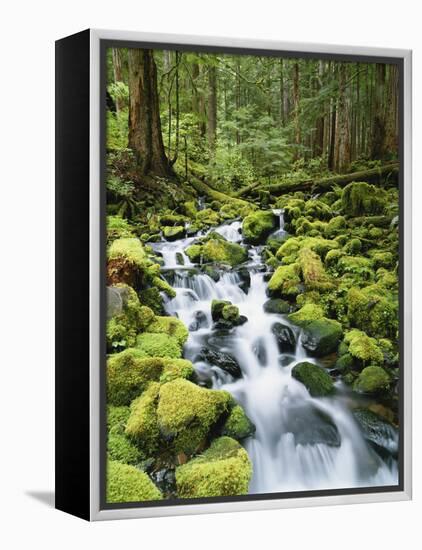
x,y
245,190
382,175
205,189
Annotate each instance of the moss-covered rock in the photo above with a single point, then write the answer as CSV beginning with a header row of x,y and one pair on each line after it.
x,y
321,337
360,198
207,217
353,246
238,426
127,484
126,317
363,348
356,265
309,312
170,326
186,413
217,307
317,381
285,281
163,286
142,424
151,297
173,220
127,261
222,470
118,228
372,379
230,313
373,310
317,209
153,344
257,226
313,272
217,250
335,226
276,305
172,233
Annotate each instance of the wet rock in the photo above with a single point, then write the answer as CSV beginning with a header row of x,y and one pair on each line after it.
x,y
200,321
317,381
245,279
382,435
260,351
165,480
276,305
212,272
310,426
222,360
180,260
321,337
173,233
285,336
116,299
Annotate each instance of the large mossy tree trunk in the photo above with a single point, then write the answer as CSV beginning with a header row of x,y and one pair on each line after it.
x,y
145,137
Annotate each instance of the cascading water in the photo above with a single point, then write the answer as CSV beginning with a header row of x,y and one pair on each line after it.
x,y
301,442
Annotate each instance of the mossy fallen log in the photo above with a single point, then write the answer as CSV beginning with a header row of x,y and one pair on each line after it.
x,y
387,174
205,189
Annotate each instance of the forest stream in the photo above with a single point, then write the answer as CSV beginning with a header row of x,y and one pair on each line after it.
x,y
301,442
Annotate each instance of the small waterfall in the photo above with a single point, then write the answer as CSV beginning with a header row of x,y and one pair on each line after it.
x,y
280,232
301,442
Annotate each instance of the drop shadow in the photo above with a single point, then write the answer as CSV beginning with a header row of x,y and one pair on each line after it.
x,y
45,497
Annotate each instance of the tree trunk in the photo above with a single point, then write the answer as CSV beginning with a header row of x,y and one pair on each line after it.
x,y
343,146
378,148
212,109
145,137
117,70
296,99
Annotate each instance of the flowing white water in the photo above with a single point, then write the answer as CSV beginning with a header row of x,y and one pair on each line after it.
x,y
300,442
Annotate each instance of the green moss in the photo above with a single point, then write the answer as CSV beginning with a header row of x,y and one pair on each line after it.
x,y
332,257
172,233
130,249
170,326
118,228
360,198
321,337
176,368
151,297
344,362
317,209
207,217
238,426
186,413
230,313
128,375
117,418
356,265
289,248
383,259
217,307
305,227
285,280
335,226
317,381
364,348
257,226
190,209
372,379
313,272
222,470
127,320
173,220
353,246
306,314
217,249
373,310
142,424
163,286
194,252
158,345
120,448
127,484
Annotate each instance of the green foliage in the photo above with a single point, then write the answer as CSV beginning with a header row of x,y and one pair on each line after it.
x,y
127,484
363,348
222,470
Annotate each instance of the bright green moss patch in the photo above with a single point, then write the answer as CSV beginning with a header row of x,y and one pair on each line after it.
x,y
186,413
163,285
285,280
118,228
372,379
142,425
238,426
158,345
130,249
127,484
120,448
207,217
364,348
360,198
257,226
170,326
222,470
230,313
218,250
176,368
373,310
321,337
317,381
173,233
313,272
306,314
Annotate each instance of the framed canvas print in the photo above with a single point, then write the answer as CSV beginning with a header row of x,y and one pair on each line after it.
x,y
233,274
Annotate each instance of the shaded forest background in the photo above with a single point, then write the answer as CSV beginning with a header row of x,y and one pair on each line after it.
x,y
238,120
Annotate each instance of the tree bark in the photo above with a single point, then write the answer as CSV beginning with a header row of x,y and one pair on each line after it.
x,y
145,137
212,109
296,99
378,148
118,77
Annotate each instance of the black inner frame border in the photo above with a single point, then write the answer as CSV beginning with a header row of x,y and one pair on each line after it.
x,y
288,54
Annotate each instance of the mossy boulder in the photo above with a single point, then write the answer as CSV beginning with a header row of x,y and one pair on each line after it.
x,y
335,226
257,226
118,228
153,344
315,208
222,470
360,198
119,447
321,337
306,314
285,281
317,381
152,298
285,337
276,305
313,272
125,317
217,307
353,246
372,379
172,233
127,262
356,265
207,217
186,413
130,372
230,313
373,310
125,483
170,326
173,220
217,250
363,347
142,424
238,425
